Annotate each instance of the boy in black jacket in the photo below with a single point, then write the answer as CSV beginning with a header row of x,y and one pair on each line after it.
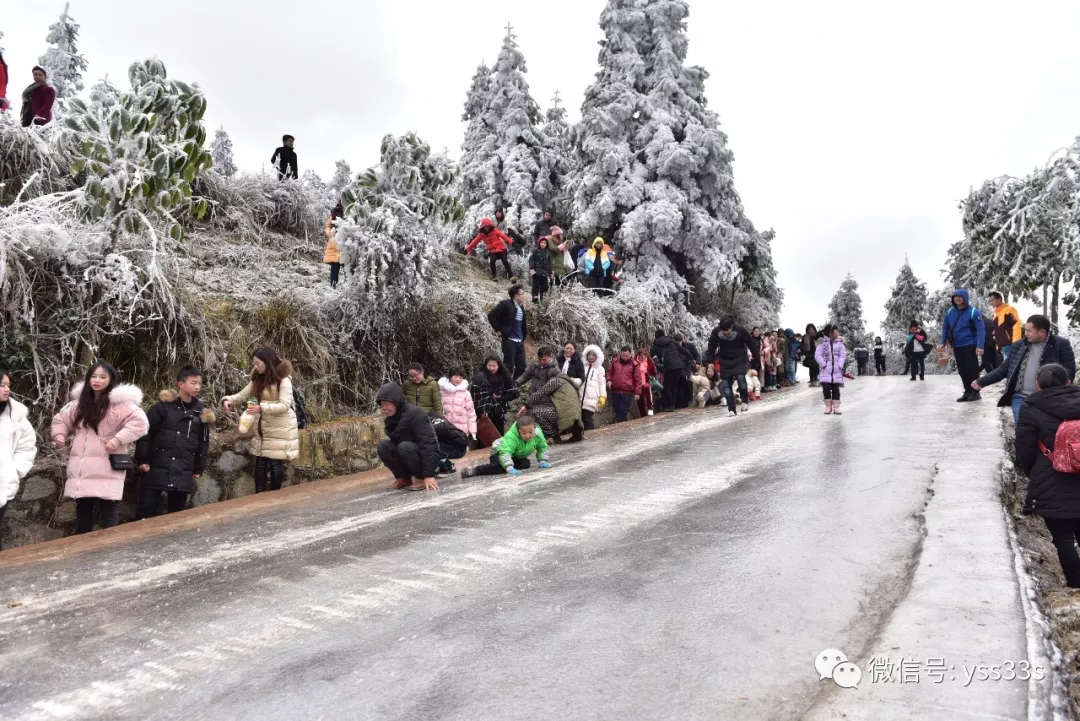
x,y
173,452
287,165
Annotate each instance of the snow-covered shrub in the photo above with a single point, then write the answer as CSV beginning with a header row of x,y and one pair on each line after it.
x,y
251,205
27,163
222,153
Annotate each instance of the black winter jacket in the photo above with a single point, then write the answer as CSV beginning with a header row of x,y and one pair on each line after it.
x,y
447,432
1057,350
543,229
675,358
177,444
576,369
502,318
1050,494
411,425
484,388
730,353
755,349
540,261
285,160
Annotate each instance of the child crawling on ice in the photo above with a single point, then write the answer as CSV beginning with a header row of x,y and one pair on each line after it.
x,y
510,454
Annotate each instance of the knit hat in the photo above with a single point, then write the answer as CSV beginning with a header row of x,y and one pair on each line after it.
x,y
556,230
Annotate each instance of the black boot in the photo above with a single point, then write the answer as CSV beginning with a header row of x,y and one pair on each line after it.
x,y
277,475
964,398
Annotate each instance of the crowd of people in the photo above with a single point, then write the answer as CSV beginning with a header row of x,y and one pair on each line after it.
x,y
37,99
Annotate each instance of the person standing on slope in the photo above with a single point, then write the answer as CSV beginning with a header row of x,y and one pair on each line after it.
x,y
1007,327
730,345
332,255
963,328
497,244
285,159
4,104
37,100
543,226
831,356
511,324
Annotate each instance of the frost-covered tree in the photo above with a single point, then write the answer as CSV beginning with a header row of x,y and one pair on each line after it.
x,y
758,298
62,60
141,150
845,312
342,177
556,159
907,303
502,149
221,151
656,170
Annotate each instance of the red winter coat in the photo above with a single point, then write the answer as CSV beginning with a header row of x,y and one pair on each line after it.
x,y
3,83
625,377
494,240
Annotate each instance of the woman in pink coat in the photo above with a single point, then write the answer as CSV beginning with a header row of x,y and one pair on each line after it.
x,y
102,419
831,356
457,402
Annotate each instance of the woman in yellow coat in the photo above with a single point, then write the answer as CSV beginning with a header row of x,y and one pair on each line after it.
x,y
332,256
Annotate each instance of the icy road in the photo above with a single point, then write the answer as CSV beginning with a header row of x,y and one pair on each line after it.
x,y
687,567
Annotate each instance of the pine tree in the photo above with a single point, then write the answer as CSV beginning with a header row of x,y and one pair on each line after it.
x,y
845,312
556,159
62,61
221,151
656,170
906,305
479,163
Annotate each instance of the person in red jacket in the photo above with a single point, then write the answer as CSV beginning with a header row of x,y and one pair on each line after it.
x,y
646,370
496,243
4,104
37,101
624,382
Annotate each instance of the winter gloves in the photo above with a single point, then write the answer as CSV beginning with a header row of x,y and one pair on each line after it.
x,y
514,472
545,465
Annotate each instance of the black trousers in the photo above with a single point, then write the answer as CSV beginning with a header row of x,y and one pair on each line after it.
x,y
401,459
815,370
494,258
150,500
2,510
831,391
335,270
1065,532
494,468
967,365
879,362
540,287
514,357
269,467
84,513
499,421
669,397
862,366
918,365
588,418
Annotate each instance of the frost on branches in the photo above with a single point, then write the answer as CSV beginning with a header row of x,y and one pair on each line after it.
x,y
222,153
556,160
62,61
907,305
657,173
141,150
501,154
845,312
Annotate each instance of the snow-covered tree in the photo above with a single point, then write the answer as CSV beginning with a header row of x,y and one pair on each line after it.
x,y
758,297
556,160
222,153
343,175
502,149
141,150
62,60
656,170
845,312
906,305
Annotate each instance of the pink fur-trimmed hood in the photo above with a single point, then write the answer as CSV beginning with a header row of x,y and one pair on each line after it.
x,y
123,393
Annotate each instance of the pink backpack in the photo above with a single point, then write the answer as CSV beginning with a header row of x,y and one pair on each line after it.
x,y
1066,454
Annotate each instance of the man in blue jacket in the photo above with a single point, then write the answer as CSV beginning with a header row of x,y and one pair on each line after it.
x,y
1040,347
964,329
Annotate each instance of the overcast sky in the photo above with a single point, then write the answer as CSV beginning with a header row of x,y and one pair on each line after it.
x,y
857,126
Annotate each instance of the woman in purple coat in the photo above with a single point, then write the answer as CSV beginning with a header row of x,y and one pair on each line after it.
x,y
831,355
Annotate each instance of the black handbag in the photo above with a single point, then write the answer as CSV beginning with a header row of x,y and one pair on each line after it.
x,y
121,462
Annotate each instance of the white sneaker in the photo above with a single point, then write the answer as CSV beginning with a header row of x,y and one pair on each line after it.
x,y
650,411
731,414
745,408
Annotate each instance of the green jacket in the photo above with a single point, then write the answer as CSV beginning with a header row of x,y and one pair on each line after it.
x,y
557,265
511,446
426,395
561,392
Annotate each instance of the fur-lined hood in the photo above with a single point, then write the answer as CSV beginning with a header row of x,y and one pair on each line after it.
x,y
170,396
123,393
446,385
599,356
17,411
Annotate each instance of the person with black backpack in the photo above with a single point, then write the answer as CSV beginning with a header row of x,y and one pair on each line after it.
x,y
965,330
1048,452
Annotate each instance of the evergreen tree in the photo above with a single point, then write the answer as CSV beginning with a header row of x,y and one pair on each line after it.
x,y
906,305
479,163
221,151
657,171
845,312
556,159
342,178
62,60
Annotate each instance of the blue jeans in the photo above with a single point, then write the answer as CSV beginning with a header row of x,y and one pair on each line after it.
x,y
621,402
729,391
1017,401
792,369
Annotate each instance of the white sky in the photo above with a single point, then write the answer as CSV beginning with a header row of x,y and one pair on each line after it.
x,y
857,125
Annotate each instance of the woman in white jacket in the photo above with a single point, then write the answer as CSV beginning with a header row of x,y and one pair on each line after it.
x,y
594,389
18,445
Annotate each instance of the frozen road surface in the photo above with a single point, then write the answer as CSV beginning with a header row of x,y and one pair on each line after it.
x,y
688,567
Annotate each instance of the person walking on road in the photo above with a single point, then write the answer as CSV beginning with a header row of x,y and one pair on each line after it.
x,y
270,398
1006,326
879,356
423,390
510,454
173,453
497,243
623,380
1051,494
285,159
963,328
1040,347
511,324
918,345
18,446
411,448
594,390
730,345
102,420
831,356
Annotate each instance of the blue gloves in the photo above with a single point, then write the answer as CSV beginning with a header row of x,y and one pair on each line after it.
x,y
545,465
514,472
